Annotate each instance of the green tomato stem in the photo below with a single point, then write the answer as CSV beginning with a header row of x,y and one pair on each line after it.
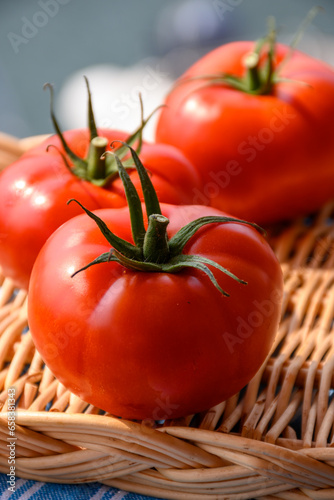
x,y
155,248
253,79
96,165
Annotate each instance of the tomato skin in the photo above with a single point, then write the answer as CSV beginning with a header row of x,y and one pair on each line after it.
x,y
263,158
154,345
34,191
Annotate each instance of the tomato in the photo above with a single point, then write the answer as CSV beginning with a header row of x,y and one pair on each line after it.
x,y
259,129
156,336
34,190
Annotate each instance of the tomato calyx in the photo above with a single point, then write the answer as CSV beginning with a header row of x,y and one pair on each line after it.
x,y
260,74
96,168
152,250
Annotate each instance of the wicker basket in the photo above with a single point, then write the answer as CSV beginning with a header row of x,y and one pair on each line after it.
x,y
272,440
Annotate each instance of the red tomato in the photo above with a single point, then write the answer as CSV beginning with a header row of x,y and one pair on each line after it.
x,y
155,345
34,191
266,154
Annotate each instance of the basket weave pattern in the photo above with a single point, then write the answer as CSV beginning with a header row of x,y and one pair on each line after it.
x,y
273,440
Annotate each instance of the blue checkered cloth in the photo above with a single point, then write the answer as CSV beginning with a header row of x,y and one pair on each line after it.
x,y
32,490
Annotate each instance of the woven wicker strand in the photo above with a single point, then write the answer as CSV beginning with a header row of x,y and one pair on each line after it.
x,y
273,440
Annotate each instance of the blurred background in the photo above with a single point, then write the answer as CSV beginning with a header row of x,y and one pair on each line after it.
x,y
125,47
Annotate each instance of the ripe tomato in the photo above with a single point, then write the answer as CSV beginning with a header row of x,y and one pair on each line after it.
x,y
34,190
262,138
155,339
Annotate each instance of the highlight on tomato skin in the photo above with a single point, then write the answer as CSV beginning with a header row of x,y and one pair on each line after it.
x,y
263,113
34,190
155,310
